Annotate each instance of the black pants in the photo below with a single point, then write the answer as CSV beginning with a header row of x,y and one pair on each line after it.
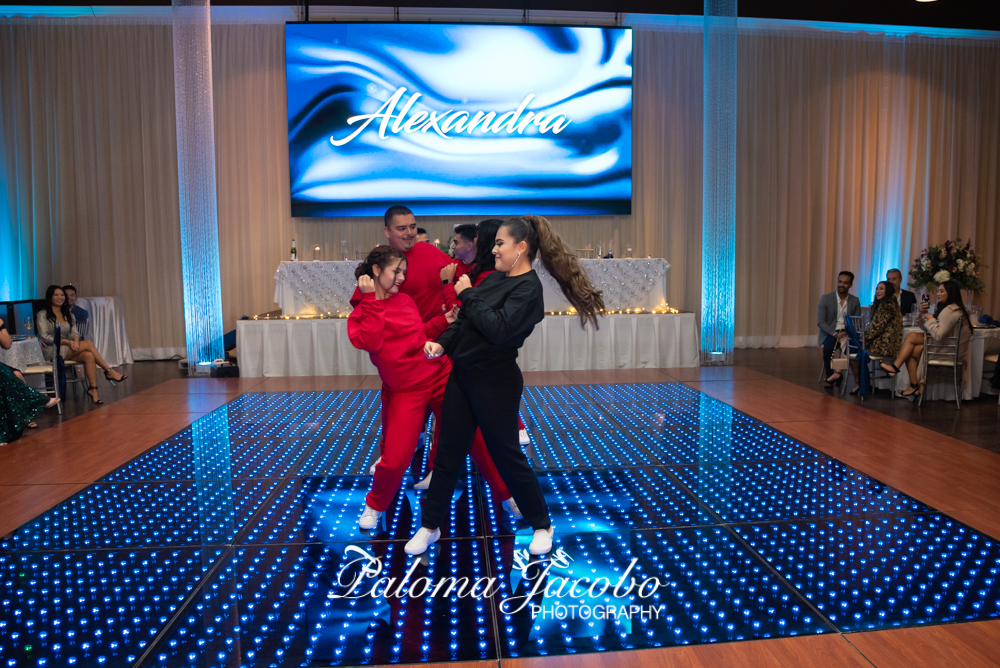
x,y
488,401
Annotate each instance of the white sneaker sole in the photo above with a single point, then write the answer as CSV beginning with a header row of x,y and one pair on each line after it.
x,y
541,543
523,438
415,547
425,483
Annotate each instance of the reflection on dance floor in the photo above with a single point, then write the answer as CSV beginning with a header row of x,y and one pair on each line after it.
x,y
678,520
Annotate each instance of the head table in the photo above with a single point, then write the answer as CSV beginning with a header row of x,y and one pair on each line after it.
x,y
312,288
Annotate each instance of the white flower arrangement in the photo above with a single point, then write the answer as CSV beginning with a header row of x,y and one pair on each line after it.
x,y
951,261
942,276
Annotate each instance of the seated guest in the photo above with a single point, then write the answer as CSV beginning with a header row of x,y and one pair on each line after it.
x,y
940,325
905,299
885,333
80,315
833,310
56,314
19,404
422,235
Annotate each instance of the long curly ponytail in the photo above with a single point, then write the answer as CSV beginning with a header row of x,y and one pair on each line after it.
x,y
561,262
380,256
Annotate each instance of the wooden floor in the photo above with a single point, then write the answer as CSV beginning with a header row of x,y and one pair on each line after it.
x,y
962,480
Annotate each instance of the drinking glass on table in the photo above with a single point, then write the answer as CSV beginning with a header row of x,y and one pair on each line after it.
x,y
29,324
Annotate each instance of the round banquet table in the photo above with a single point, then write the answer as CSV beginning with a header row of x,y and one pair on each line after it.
x,y
107,328
23,352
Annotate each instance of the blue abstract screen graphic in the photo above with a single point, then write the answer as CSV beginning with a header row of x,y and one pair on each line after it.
x,y
459,119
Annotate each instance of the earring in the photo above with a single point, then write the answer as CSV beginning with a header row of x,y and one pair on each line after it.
x,y
515,260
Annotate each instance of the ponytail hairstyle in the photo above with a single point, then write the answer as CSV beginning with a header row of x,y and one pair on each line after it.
x,y
486,239
382,256
561,262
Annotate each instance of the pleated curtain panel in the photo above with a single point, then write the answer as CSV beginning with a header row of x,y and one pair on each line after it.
x,y
855,150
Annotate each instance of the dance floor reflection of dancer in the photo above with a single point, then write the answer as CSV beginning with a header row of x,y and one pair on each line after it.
x,y
485,385
387,324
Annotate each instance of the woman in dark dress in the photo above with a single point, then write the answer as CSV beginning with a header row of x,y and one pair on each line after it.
x,y
485,384
19,404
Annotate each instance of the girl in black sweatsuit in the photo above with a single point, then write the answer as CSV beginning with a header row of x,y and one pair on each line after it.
x,y
484,388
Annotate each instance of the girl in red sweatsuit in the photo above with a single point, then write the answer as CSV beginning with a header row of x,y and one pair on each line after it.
x,y
388,326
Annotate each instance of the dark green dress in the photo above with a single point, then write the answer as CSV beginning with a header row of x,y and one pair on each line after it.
x,y
19,404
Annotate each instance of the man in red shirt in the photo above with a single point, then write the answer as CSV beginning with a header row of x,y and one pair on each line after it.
x,y
423,270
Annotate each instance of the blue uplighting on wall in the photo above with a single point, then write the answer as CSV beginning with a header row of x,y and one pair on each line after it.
x,y
718,254
15,281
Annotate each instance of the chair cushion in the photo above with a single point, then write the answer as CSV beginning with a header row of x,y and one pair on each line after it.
x,y
991,358
948,363
38,369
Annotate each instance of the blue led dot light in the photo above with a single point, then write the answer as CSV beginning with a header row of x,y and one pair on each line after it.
x,y
152,514
586,448
790,490
704,586
888,571
271,606
641,472
608,500
72,608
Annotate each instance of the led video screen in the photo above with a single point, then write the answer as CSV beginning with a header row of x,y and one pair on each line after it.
x,y
459,119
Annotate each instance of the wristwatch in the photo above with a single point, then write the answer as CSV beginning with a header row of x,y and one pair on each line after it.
x,y
445,281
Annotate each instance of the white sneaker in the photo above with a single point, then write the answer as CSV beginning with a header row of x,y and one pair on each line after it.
x,y
424,537
511,507
541,542
371,471
425,483
523,438
369,519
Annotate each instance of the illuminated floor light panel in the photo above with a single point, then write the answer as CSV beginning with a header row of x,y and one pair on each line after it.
x,y
678,521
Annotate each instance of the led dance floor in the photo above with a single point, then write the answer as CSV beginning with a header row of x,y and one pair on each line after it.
x,y
678,521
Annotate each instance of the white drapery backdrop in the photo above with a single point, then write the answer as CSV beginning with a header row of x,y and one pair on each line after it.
x,y
855,150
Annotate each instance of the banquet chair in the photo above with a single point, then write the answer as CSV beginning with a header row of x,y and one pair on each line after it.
x,y
993,358
858,323
72,378
945,356
875,361
50,375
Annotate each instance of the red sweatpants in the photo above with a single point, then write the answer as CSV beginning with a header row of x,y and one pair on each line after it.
x,y
383,416
404,413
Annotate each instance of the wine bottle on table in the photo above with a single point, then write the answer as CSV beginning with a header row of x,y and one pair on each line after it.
x,y
294,254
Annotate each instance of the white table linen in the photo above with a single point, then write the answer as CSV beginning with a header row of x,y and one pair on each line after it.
x,y
315,347
311,288
23,353
107,329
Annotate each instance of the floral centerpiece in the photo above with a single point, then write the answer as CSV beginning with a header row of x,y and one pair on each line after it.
x,y
950,261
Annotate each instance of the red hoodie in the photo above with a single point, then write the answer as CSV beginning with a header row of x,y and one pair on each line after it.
x,y
393,334
423,279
